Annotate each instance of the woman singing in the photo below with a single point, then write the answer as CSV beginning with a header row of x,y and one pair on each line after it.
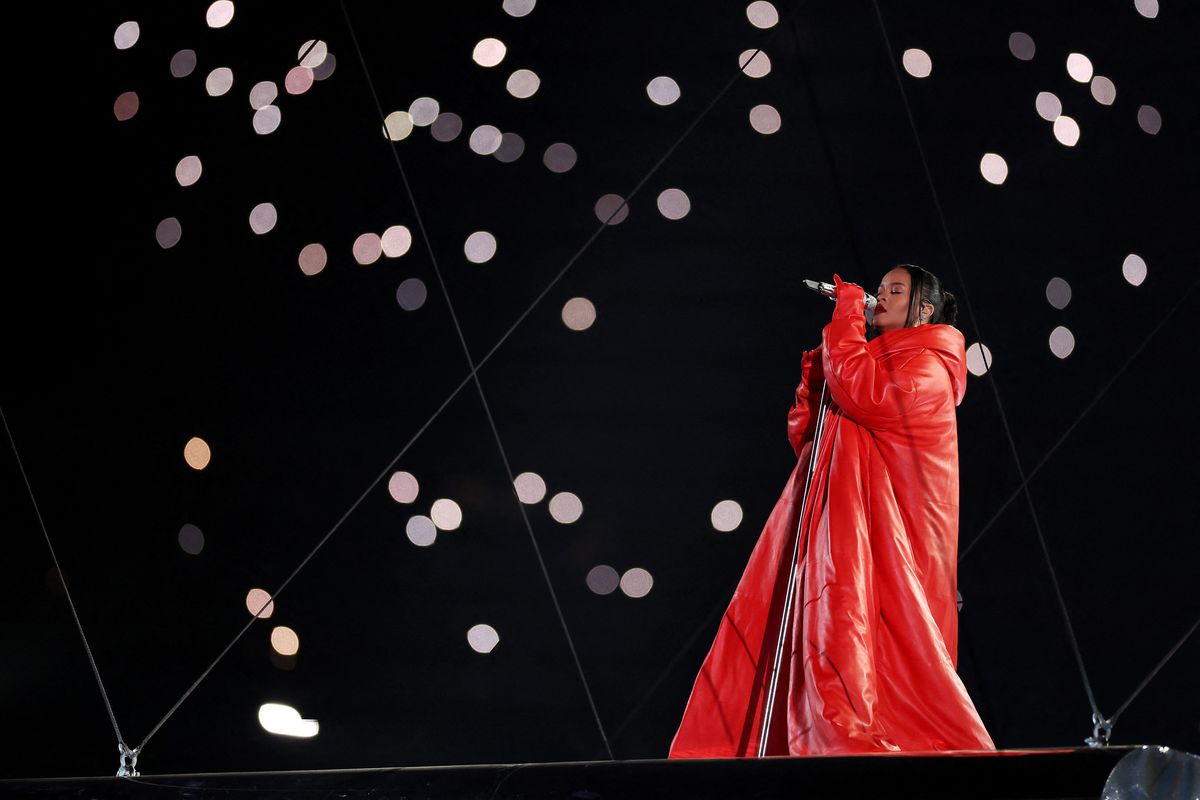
x,y
870,647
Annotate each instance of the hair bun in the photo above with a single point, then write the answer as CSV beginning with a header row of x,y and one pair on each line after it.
x,y
949,308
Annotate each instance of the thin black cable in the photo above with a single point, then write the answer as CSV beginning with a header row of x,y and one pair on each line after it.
x,y
62,577
1037,525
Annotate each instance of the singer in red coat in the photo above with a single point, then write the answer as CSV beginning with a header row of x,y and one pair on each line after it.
x,y
870,651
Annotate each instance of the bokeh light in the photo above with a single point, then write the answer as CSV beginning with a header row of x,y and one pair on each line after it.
x,y
979,359
312,54
446,514
480,247
518,8
188,170
168,233
411,294
1079,67
603,579
917,63
263,218
285,641
530,488
1147,8
219,14
1062,342
397,125
726,515
566,507
259,603
197,453
559,157
1149,119
674,203
325,68
446,127
512,147
765,119
424,110
298,80
313,258
754,63
1048,106
1133,268
420,530
993,168
611,209
263,93
219,81
662,90
191,539
403,487
1066,130
396,241
367,248
1058,293
126,105
1021,45
483,638
485,140
266,119
762,14
183,63
579,313
284,720
523,84
126,35
489,52
1104,90
637,582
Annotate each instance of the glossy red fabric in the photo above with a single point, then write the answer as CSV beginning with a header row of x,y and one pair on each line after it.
x,y
871,648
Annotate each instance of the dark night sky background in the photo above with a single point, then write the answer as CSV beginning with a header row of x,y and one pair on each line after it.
x,y
117,352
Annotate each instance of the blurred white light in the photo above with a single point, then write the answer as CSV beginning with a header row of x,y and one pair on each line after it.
x,y
188,170
579,314
367,248
1021,45
994,168
754,63
979,359
421,530
1062,342
917,63
762,14
1149,119
480,247
191,539
256,599
423,111
1147,8
559,157
765,119
126,35
489,52
263,218
403,487
219,81
637,582
311,54
263,93
1104,90
396,241
266,119
726,515
1079,67
397,125
285,641
565,507
168,233
411,294
603,579
1058,293
1134,269
313,258
298,80
663,90
530,488
518,8
611,209
446,127
483,638
512,147
674,203
219,14
523,83
183,63
485,140
1048,106
285,721
446,514
1066,130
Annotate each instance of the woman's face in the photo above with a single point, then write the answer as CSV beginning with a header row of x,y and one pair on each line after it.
x,y
894,298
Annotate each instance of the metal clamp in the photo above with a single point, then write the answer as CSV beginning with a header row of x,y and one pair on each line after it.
x,y
128,767
1101,731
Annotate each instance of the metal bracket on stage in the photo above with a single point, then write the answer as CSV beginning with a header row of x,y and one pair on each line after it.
x,y
128,768
1101,732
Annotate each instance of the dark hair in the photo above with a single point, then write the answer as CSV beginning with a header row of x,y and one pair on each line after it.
x,y
926,288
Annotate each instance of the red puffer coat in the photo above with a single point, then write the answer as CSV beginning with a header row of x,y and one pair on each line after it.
x,y
871,648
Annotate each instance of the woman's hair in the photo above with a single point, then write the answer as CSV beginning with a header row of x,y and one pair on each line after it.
x,y
926,288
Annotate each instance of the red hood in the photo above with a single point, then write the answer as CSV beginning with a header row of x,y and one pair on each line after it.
x,y
945,341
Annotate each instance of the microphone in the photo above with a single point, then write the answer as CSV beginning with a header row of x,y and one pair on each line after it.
x,y
828,290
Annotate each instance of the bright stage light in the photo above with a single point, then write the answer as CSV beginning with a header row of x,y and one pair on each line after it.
x,y
263,93
219,81
188,170
263,218
256,599
480,247
994,168
663,91
762,14
284,720
637,582
523,84
313,258
726,515
1048,106
421,530
397,125
674,203
446,514
1079,67
312,55
1104,90
126,35
566,508
197,453
424,110
285,641
403,487
396,241
367,248
489,52
754,63
917,63
1062,342
765,119
579,313
298,80
219,14
1066,130
979,359
266,119
483,638
1134,269
530,488
485,140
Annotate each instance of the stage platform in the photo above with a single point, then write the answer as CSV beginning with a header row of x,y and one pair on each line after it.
x,y
1009,774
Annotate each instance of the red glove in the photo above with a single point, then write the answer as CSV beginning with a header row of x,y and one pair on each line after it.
x,y
850,299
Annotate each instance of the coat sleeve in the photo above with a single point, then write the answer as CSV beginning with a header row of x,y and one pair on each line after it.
x,y
802,416
876,395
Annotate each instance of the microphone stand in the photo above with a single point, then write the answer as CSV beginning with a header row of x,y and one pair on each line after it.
x,y
773,687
